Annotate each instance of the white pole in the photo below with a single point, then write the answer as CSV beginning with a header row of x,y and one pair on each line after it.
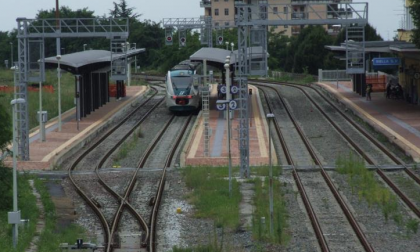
x,y
41,130
228,119
15,203
228,94
270,118
59,93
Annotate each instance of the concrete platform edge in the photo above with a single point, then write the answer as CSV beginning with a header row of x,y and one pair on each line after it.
x,y
70,150
187,144
393,137
273,151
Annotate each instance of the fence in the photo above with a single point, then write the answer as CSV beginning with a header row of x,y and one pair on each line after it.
x,y
292,76
333,75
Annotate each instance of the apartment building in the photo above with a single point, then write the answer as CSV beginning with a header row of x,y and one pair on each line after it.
x,y
404,33
223,12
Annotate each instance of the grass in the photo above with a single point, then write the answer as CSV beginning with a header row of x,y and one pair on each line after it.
x,y
27,206
366,186
210,195
260,231
127,146
49,101
52,235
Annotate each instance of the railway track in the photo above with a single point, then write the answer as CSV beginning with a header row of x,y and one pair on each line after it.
x,y
325,244
370,158
360,150
109,230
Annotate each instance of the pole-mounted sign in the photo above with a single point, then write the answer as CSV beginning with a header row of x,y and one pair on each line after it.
x,y
220,40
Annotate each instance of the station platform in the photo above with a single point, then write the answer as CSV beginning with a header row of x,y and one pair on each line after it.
x,y
193,153
58,145
396,119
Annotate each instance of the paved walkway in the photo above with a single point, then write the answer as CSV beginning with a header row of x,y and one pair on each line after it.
x,y
218,152
46,155
396,119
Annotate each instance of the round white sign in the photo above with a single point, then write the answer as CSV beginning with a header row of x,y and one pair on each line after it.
x,y
221,107
233,104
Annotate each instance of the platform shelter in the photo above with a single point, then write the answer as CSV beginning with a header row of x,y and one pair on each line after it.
x,y
91,69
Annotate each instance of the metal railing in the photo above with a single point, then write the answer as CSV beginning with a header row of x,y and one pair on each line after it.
x,y
333,75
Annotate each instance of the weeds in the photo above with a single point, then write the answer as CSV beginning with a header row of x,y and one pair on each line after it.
x,y
364,184
127,146
261,229
210,195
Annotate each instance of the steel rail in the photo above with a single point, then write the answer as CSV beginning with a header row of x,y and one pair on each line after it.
x,y
361,130
89,201
356,228
387,180
308,206
123,199
159,193
391,184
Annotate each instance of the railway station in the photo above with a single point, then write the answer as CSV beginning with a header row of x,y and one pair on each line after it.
x,y
217,145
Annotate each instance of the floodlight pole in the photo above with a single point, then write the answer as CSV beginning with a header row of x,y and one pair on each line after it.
x,y
59,91
41,129
15,229
84,47
227,45
11,54
270,117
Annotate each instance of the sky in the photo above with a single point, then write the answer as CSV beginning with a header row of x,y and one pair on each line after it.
x,y
384,15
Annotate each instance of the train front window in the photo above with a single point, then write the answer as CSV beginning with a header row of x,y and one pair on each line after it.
x,y
182,82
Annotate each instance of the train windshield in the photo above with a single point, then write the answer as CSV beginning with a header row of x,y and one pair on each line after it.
x,y
181,80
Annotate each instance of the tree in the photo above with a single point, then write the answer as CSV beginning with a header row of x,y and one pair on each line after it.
x,y
121,10
5,128
415,13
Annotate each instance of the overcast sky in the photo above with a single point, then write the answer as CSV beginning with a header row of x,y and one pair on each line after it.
x,y
384,15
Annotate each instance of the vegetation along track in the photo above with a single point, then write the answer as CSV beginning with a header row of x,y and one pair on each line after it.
x,y
110,230
325,243
360,150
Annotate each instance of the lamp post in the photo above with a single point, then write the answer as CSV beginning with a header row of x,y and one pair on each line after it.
x,y
226,103
135,58
15,212
227,45
41,130
84,47
232,45
11,54
59,91
270,117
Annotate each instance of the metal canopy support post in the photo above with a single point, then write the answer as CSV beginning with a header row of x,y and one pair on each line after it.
x,y
202,23
255,17
38,30
205,93
242,79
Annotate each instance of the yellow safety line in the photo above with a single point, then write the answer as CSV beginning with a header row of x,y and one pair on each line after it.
x,y
360,110
79,136
260,134
196,140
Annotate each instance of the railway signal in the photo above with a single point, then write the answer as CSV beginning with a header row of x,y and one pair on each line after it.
x,y
182,41
220,40
169,40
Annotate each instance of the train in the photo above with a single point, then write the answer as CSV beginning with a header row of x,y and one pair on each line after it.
x,y
182,93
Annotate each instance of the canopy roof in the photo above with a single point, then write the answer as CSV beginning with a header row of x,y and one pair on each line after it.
x,y
92,59
217,56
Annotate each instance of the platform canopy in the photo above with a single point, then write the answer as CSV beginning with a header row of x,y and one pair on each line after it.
x,y
376,46
91,59
217,56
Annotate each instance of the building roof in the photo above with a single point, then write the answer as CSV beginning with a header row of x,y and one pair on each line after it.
x,y
78,60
